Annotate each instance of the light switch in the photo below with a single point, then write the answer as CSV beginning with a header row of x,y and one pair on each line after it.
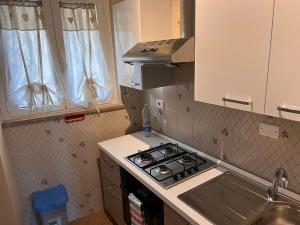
x,y
269,130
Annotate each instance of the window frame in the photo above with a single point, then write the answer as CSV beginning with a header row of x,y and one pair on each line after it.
x,y
53,24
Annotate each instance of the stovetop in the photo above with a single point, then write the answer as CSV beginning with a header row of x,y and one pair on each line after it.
x,y
169,164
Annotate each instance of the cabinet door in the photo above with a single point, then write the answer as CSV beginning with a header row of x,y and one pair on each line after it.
x,y
173,218
156,20
232,52
284,76
111,191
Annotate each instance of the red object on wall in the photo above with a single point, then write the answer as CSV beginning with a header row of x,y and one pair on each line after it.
x,y
74,118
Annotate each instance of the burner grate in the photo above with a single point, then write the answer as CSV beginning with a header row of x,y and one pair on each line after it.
x,y
169,164
158,154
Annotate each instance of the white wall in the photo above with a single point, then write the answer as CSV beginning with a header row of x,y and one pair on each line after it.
x,y
9,204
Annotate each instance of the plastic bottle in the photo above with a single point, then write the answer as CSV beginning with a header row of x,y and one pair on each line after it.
x,y
146,116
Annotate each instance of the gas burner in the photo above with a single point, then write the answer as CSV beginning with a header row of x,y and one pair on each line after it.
x,y
187,159
146,157
169,164
163,169
168,150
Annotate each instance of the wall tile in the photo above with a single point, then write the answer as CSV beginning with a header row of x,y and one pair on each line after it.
x,y
48,153
170,97
227,133
169,127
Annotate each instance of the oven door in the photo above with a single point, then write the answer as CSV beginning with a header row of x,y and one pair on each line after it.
x,y
152,205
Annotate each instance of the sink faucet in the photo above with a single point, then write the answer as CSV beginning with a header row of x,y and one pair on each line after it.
x,y
280,178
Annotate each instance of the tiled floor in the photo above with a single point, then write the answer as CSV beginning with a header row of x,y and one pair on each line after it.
x,y
99,218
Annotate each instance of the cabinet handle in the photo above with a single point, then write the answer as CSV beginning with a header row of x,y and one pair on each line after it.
x,y
285,109
237,101
134,84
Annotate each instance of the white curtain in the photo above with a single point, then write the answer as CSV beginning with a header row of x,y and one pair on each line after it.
x,y
87,73
30,74
125,38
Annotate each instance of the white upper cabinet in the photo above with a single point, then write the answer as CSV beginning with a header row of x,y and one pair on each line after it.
x,y
284,76
138,21
232,52
155,20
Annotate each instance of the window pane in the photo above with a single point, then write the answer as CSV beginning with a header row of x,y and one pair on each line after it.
x,y
16,79
77,77
30,75
88,79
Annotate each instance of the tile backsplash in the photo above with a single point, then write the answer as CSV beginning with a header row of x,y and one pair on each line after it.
x,y
51,152
227,133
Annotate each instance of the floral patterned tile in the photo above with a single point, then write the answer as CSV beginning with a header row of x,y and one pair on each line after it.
x,y
227,133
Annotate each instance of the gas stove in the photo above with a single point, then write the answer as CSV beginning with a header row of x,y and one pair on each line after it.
x,y
169,164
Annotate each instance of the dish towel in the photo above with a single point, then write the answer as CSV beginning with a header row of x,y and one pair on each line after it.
x,y
136,211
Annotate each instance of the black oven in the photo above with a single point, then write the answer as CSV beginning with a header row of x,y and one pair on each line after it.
x,y
153,206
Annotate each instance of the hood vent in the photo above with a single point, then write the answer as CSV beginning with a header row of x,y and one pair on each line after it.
x,y
171,51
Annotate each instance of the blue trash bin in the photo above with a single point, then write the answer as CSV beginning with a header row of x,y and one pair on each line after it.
x,y
50,205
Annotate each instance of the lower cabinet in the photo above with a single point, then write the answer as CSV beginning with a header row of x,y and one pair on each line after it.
x,y
112,194
173,218
111,191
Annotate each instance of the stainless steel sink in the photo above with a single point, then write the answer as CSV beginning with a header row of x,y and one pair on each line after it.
x,y
279,213
231,199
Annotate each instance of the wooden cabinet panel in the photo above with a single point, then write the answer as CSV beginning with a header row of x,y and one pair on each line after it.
x,y
110,169
173,218
113,205
112,195
111,176
232,52
284,76
112,187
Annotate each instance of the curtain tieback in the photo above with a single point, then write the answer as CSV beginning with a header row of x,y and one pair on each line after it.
x,y
46,97
37,89
91,85
31,95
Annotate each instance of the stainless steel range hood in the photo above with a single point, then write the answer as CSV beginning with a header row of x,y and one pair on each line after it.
x,y
162,52
171,51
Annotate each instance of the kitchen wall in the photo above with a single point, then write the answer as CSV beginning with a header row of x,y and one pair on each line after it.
x,y
222,131
6,215
50,152
9,208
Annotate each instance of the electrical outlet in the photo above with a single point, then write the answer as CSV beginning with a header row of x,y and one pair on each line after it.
x,y
160,103
269,130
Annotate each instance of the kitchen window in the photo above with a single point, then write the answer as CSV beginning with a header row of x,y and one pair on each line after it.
x,y
31,80
57,57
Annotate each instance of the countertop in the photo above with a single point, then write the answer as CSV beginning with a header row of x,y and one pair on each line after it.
x,y
119,148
